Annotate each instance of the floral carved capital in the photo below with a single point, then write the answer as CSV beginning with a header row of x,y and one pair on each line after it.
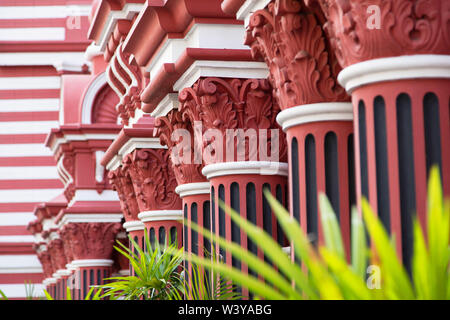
x,y
122,184
290,39
166,127
153,179
370,29
46,262
92,240
224,104
57,253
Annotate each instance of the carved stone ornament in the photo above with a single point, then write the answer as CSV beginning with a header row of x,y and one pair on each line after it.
x,y
153,179
166,126
93,240
56,250
122,184
46,262
290,39
224,104
370,29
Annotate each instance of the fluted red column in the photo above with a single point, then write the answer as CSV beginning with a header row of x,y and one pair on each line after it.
x,y
398,76
316,114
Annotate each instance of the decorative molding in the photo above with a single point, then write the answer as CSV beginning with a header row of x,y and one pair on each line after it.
x,y
190,189
245,167
161,215
153,179
327,111
121,181
89,97
395,68
91,240
85,263
221,69
290,39
405,27
170,102
133,226
89,218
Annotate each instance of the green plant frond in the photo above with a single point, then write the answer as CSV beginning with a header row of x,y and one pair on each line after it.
x,y
420,264
47,295
330,226
3,295
252,283
349,282
358,245
438,234
396,278
264,269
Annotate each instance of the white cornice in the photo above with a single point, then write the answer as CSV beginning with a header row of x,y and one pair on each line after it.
x,y
133,226
248,8
89,217
315,112
161,215
221,69
395,68
245,167
194,188
92,263
167,104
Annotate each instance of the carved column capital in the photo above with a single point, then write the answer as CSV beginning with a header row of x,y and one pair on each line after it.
x,y
57,253
93,240
121,181
46,262
288,36
227,103
371,29
153,179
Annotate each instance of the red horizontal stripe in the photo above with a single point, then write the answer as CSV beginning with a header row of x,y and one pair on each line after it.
x,y
22,138
14,231
27,161
27,71
30,94
29,116
16,248
20,278
17,207
43,46
43,2
31,184
33,23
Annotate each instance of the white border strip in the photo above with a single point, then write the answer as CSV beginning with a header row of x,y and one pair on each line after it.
x,y
194,188
395,68
245,167
92,263
133,226
315,112
161,215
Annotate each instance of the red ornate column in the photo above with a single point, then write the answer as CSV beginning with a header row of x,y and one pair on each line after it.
x,y
154,184
396,66
91,246
121,181
242,151
192,185
315,113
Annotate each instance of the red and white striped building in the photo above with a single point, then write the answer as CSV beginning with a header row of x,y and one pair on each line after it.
x,y
91,95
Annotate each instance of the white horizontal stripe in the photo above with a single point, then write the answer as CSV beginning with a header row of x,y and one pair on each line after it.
x,y
28,172
18,290
16,239
39,58
32,34
19,261
25,105
16,218
28,195
24,150
35,12
18,83
23,127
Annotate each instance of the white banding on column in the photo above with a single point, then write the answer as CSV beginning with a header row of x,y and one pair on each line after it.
x,y
245,167
161,215
395,68
315,112
194,188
